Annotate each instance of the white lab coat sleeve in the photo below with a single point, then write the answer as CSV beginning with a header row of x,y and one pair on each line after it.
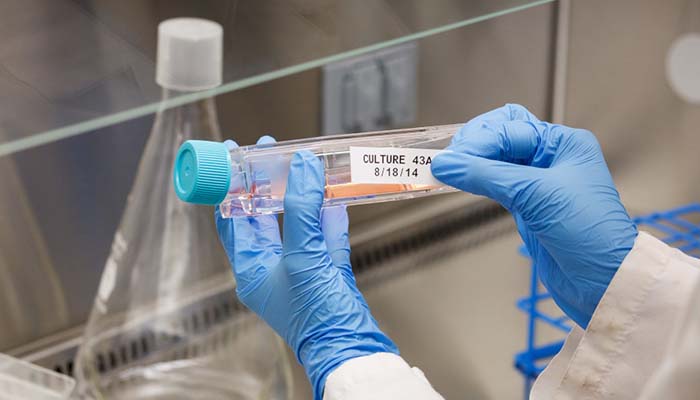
x,y
630,331
677,376
378,376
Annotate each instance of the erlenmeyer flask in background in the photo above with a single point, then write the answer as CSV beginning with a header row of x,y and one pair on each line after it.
x,y
166,323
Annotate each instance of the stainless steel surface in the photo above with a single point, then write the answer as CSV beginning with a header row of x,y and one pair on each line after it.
x,y
76,188
456,321
617,88
561,59
432,239
454,318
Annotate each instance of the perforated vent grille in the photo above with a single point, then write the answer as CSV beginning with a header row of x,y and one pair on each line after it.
x,y
213,320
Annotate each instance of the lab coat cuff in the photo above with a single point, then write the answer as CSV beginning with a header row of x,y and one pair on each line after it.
x,y
378,376
629,326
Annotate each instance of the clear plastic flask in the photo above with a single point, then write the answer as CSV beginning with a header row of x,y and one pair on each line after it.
x,y
21,380
166,322
251,180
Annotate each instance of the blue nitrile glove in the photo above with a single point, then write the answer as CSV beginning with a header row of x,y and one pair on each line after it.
x,y
304,288
555,182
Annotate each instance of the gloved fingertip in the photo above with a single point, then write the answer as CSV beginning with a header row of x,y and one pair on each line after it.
x,y
307,162
219,219
518,112
303,201
336,209
445,163
334,225
266,139
459,136
304,156
306,178
230,144
223,228
335,217
498,180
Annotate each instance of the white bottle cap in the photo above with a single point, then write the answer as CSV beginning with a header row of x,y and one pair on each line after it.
x,y
189,54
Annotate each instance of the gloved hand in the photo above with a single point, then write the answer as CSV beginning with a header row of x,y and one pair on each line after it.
x,y
304,288
555,182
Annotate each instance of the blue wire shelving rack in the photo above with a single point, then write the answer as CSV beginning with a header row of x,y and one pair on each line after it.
x,y
679,227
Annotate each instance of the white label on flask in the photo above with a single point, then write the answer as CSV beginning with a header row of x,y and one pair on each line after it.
x,y
392,165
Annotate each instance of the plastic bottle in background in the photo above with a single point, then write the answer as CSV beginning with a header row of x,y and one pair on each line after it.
x,y
166,323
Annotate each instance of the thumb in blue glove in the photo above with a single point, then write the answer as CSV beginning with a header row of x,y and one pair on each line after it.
x,y
555,182
304,287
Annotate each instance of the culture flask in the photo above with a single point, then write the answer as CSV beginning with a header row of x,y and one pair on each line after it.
x,y
359,168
